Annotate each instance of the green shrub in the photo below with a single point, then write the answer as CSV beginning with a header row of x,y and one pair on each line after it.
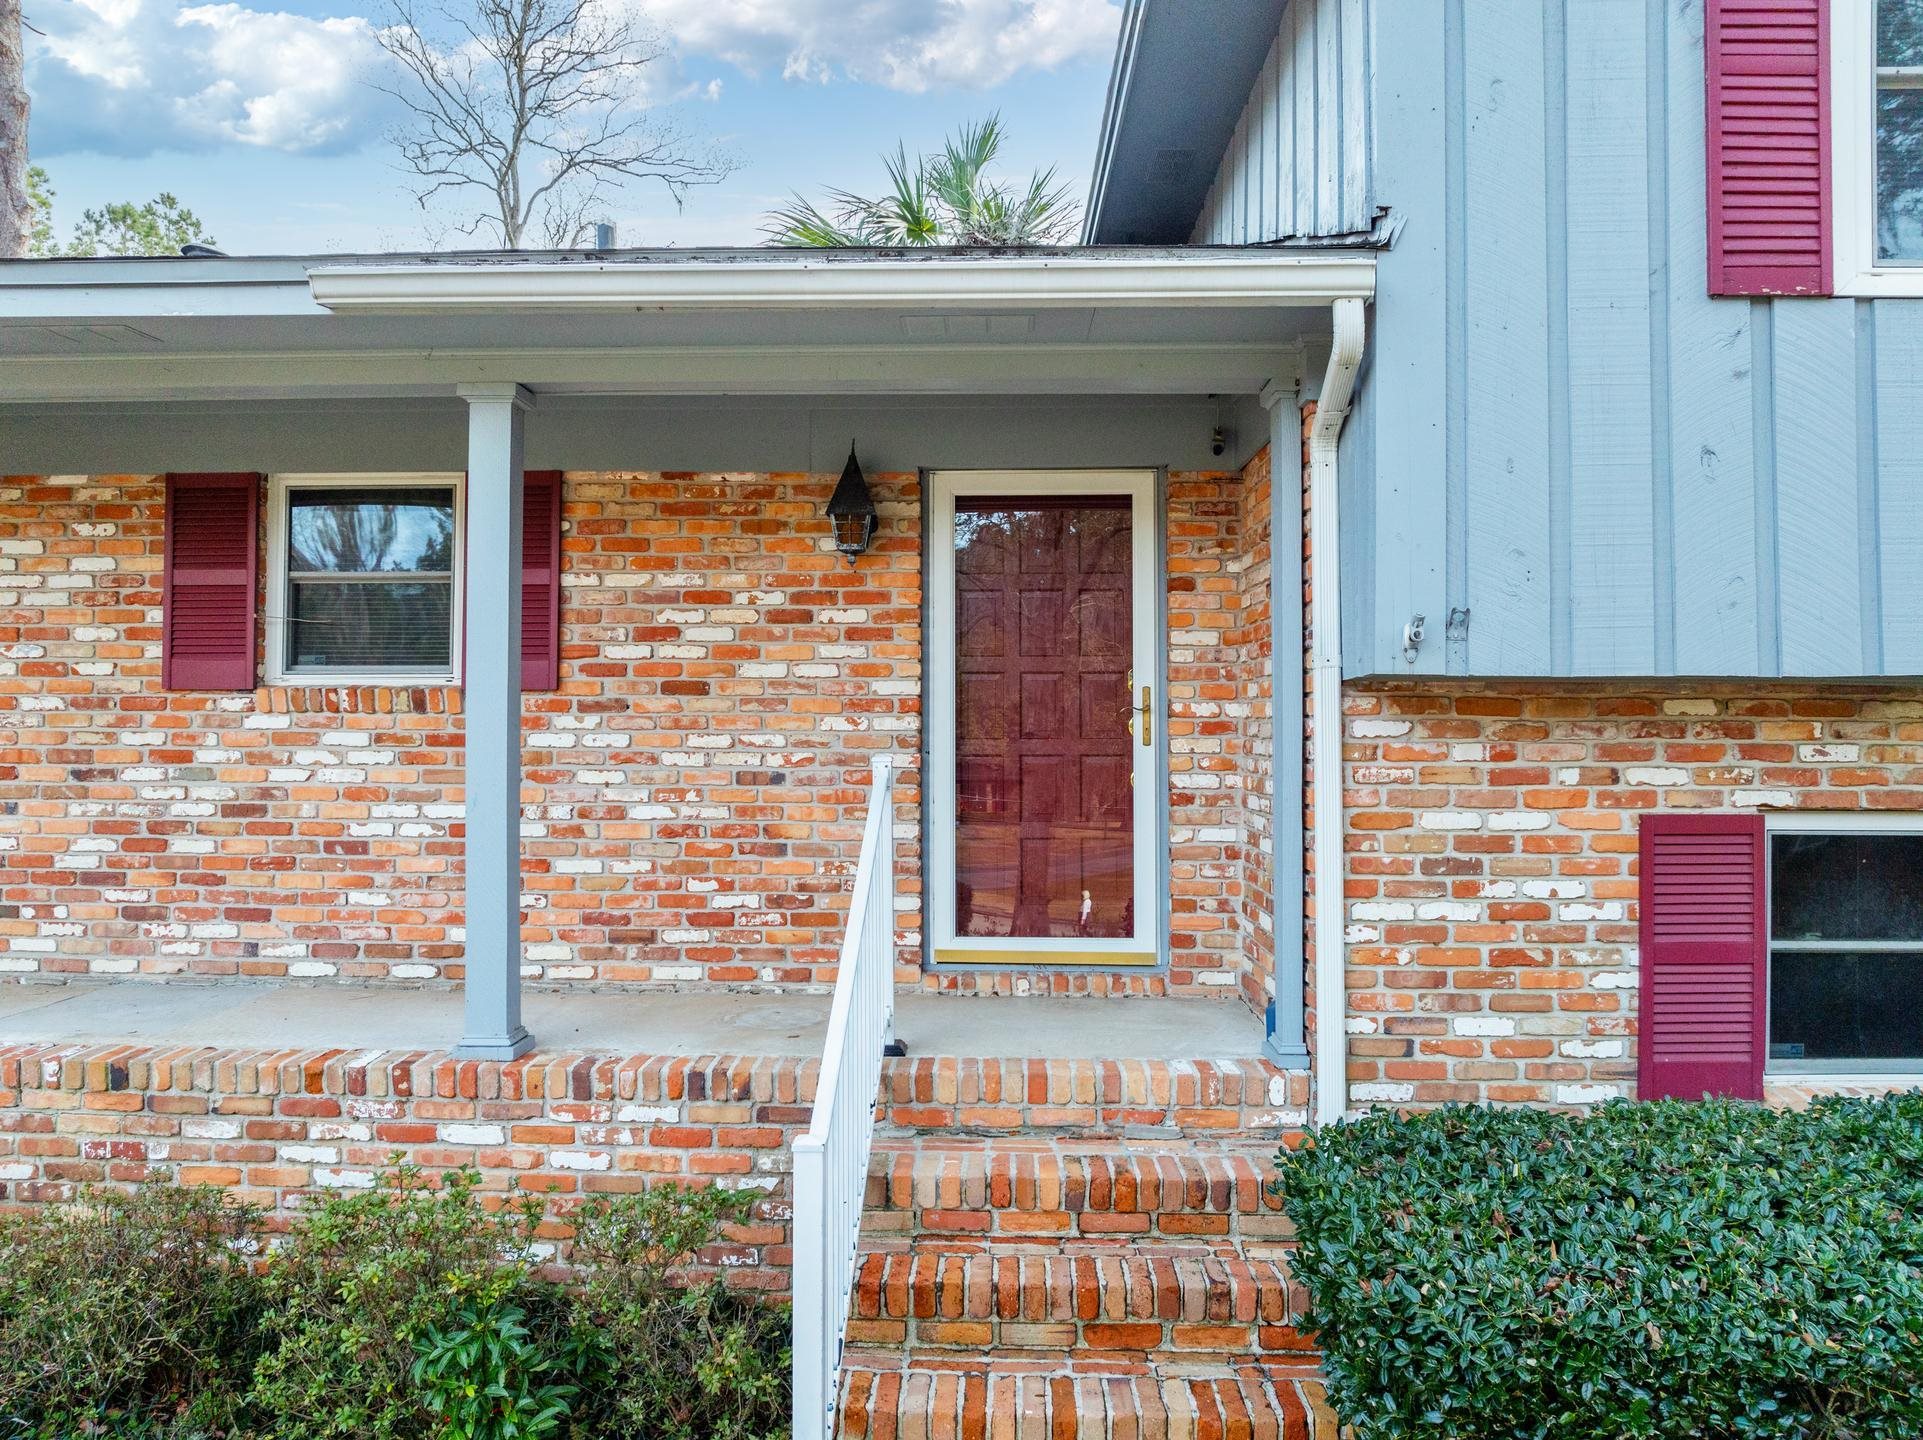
x,y
486,1378
1663,1270
681,1361
413,1311
131,1314
366,1280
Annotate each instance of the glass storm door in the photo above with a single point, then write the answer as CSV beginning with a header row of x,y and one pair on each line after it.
x,y
1045,720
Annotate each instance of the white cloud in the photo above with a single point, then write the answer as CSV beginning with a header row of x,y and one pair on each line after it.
x,y
909,45
129,77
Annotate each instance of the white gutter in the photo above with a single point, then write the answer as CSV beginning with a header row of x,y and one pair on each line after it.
x,y
1325,771
1254,277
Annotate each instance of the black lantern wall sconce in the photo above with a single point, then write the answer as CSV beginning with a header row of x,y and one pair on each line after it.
x,y
851,510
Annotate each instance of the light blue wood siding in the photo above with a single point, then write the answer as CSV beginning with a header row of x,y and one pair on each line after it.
x,y
1559,431
1298,163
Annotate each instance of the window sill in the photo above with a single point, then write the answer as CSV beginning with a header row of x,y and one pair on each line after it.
x,y
1903,282
361,679
1838,1079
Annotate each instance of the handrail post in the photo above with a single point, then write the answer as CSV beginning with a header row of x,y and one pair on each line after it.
x,y
884,771
810,1283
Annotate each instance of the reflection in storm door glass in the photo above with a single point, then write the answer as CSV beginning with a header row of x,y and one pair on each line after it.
x,y
1045,843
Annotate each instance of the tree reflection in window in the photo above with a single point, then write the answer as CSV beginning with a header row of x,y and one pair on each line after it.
x,y
370,577
1899,130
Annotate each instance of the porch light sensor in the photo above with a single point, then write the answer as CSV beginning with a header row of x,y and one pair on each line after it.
x,y
851,509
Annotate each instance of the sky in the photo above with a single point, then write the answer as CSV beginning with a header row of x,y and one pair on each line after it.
x,y
264,121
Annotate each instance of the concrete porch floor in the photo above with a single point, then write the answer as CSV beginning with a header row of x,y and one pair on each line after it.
x,y
274,1014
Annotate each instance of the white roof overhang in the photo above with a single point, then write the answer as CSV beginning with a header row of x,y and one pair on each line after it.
x,y
764,321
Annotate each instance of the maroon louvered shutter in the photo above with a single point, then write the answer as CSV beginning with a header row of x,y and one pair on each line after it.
x,y
541,580
1769,141
1705,956
211,560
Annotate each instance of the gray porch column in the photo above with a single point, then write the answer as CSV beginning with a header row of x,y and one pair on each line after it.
x,y
492,706
1287,1044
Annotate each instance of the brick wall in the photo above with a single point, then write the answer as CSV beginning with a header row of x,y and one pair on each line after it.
x,y
693,792
278,1128
1491,844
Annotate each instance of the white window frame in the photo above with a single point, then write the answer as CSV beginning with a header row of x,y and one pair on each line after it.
x,y
279,672
1830,822
1853,86
1146,948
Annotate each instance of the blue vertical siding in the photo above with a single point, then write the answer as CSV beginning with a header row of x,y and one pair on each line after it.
x,y
1298,163
1563,434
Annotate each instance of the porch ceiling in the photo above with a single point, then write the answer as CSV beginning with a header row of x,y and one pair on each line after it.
x,y
680,323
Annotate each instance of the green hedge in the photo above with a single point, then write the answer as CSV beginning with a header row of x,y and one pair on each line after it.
x,y
413,1312
1676,1270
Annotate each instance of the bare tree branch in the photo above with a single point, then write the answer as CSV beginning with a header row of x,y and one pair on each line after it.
x,y
537,106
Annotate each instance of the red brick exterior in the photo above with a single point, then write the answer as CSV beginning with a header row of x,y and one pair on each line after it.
x,y
279,1127
1491,843
693,791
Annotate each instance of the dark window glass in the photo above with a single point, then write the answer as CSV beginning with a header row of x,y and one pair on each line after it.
x,y
373,623
1846,887
1846,954
1846,1005
370,577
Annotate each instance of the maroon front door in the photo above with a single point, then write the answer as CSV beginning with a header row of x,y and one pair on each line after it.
x,y
1044,744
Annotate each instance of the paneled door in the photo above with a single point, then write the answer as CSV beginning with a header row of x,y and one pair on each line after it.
x,y
1044,719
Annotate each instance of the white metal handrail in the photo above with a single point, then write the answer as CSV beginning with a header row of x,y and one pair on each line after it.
x,y
831,1159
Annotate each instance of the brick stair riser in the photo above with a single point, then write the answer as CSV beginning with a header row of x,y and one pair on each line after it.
x,y
1103,1303
1217,1198
944,1405
1204,1099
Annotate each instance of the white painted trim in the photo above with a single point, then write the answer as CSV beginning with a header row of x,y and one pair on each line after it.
x,y
275,617
1350,335
1094,369
1853,160
1150,850
1844,822
1251,277
1818,1079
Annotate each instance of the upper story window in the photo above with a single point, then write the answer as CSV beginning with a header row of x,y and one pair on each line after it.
x,y
1877,119
364,579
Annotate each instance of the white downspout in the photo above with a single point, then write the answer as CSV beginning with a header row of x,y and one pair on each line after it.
x,y
1325,668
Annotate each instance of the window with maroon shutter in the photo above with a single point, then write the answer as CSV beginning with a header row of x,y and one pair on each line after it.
x,y
541,580
1768,112
1703,906
210,564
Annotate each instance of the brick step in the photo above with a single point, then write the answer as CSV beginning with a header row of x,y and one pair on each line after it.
x,y
1086,1298
1061,1192
966,1095
995,1402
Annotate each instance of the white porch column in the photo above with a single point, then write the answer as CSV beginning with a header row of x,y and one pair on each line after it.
x,y
492,706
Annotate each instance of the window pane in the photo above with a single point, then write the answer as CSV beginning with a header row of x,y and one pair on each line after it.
x,y
1841,1006
1846,887
394,623
1045,809
1899,32
1899,175
371,528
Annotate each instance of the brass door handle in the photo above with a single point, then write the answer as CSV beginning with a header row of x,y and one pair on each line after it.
x,y
1146,714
